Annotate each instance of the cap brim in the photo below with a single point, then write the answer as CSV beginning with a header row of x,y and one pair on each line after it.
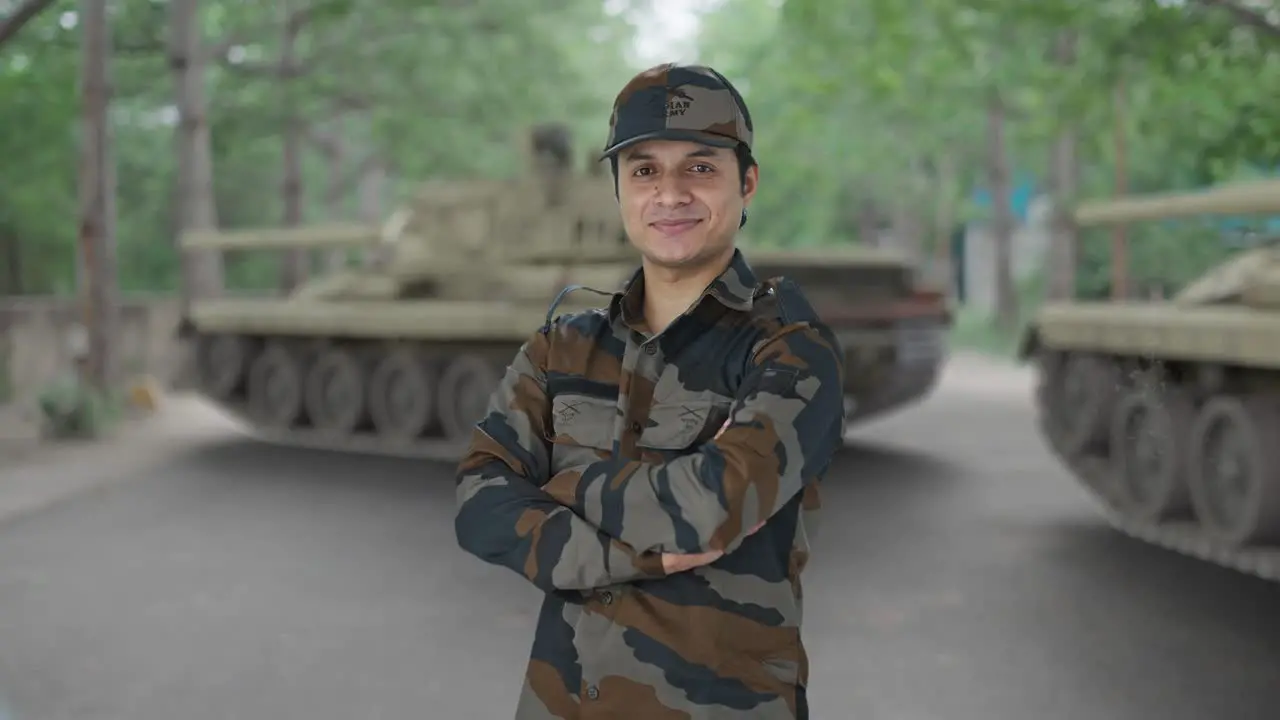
x,y
697,136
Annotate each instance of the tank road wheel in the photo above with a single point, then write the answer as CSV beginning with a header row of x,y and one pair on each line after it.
x,y
221,361
465,387
1077,398
276,387
334,395
402,395
1149,433
1235,469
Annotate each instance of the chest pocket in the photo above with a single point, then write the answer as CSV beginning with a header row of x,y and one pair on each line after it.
x,y
581,430
681,423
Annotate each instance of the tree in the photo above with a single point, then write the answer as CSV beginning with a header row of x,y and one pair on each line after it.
x,y
407,91
886,103
20,16
98,198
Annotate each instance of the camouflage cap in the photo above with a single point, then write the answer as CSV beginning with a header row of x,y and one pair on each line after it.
x,y
679,102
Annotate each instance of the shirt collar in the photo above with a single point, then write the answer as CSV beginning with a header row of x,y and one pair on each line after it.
x,y
735,288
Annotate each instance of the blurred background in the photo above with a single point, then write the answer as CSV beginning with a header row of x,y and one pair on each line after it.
x,y
962,572
941,126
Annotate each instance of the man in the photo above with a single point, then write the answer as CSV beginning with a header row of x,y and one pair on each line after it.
x,y
647,464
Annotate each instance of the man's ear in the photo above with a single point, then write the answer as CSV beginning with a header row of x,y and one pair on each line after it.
x,y
750,181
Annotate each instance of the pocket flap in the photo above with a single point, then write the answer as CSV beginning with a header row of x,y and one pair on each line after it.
x,y
676,425
583,420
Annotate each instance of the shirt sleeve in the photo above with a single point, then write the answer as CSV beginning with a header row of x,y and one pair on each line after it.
x,y
787,422
503,515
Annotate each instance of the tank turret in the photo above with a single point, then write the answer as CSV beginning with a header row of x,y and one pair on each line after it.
x,y
401,358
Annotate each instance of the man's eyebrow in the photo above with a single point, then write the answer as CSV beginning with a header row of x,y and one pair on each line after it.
x,y
703,152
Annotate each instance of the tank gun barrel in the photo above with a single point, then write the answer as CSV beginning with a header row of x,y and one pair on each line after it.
x,y
337,235
1241,198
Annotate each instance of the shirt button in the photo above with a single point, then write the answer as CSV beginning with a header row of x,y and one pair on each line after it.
x,y
651,349
593,693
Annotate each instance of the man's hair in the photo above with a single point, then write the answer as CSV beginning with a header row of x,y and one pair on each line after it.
x,y
746,161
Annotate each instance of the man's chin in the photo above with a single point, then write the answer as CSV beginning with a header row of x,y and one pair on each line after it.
x,y
675,251
664,257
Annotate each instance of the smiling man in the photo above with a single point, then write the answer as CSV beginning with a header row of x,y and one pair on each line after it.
x,y
652,466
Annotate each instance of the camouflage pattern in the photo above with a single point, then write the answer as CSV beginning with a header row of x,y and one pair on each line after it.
x,y
599,452
687,102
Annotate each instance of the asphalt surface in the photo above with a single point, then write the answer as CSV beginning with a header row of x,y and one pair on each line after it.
x,y
958,576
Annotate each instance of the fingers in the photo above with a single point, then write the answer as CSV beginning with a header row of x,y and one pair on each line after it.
x,y
677,562
724,427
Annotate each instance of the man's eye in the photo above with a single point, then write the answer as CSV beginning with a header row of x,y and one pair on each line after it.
x,y
703,168
641,171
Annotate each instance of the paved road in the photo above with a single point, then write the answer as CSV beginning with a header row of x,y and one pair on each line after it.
x,y
958,577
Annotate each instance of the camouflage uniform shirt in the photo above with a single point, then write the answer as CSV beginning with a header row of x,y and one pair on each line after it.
x,y
599,452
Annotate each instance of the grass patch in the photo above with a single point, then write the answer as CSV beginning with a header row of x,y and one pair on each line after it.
x,y
976,331
71,409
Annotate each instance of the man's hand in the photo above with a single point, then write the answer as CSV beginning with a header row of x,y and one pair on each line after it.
x,y
673,563
679,562
723,427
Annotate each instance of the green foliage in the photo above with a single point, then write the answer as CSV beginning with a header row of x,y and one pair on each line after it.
x,y
1162,256
856,104
436,89
863,100
979,332
71,409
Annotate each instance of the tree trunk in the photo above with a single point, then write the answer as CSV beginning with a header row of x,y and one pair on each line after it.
x,y
1002,223
906,230
335,157
868,222
295,263
1119,233
97,199
1064,243
1064,182
944,220
23,14
197,204
11,251
372,187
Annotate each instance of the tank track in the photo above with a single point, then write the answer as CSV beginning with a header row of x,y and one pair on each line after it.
x,y
427,448
225,380
441,432
1183,535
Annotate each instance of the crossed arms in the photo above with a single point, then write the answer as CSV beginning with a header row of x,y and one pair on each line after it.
x,y
785,424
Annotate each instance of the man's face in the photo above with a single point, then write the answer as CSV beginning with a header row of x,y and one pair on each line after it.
x,y
681,201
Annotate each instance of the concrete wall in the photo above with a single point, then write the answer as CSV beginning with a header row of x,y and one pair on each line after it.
x,y
34,331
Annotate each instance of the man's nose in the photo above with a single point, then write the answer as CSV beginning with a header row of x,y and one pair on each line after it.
x,y
671,191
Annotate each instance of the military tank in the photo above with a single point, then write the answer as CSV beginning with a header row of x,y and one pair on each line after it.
x,y
1169,411
892,326
400,358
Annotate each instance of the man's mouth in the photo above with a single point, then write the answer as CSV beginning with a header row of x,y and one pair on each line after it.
x,y
673,227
